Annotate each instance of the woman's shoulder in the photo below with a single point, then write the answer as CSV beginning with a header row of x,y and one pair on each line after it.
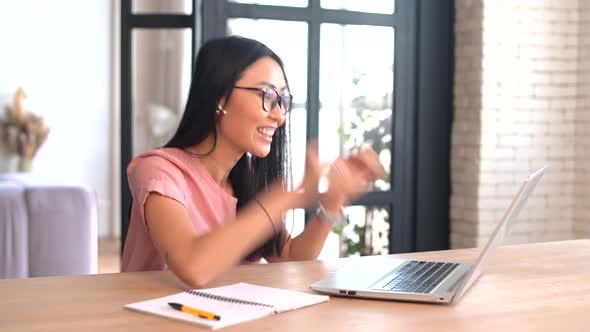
x,y
160,171
161,158
173,162
167,161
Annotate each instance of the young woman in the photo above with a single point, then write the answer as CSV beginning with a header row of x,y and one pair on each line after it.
x,y
216,194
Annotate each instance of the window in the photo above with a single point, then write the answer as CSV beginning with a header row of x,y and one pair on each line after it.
x,y
162,7
161,78
342,82
158,42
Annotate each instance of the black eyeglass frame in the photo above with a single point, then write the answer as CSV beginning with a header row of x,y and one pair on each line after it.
x,y
284,108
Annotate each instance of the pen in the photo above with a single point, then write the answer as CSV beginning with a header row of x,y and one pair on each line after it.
x,y
194,311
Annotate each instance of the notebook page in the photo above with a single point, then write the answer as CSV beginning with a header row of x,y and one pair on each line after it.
x,y
230,313
280,299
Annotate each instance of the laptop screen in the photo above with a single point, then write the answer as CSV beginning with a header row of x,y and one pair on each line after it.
x,y
501,229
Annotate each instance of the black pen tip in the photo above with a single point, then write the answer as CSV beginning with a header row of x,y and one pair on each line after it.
x,y
176,306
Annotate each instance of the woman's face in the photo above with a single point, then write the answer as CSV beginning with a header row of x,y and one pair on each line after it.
x,y
246,125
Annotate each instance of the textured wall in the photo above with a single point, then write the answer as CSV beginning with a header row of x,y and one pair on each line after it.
x,y
520,103
582,166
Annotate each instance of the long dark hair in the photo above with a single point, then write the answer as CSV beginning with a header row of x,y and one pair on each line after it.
x,y
220,64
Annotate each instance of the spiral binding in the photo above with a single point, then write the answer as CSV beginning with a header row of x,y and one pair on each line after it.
x,y
225,298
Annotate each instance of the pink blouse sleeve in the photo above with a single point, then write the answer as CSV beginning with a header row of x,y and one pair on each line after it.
x,y
155,174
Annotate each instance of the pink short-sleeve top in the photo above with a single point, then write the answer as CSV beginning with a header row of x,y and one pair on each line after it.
x,y
176,174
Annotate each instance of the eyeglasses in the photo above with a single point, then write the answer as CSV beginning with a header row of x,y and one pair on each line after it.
x,y
271,97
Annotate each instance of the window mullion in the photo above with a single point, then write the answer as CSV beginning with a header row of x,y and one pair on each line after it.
x,y
313,69
313,76
356,18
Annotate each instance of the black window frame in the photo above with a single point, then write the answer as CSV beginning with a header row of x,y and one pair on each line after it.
x,y
129,22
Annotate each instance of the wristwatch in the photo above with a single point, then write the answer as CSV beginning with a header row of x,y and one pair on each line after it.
x,y
329,218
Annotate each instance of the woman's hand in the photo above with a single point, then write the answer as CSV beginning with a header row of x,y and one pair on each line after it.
x,y
307,192
348,178
351,177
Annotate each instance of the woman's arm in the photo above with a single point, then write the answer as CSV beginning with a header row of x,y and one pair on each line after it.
x,y
307,245
348,178
197,259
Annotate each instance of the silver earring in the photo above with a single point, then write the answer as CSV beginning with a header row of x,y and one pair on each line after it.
x,y
220,110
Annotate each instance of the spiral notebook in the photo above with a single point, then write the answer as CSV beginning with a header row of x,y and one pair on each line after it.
x,y
233,304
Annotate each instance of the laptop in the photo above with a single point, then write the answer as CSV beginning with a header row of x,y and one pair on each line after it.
x,y
388,278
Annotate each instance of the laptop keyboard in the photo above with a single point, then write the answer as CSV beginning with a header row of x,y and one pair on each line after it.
x,y
418,276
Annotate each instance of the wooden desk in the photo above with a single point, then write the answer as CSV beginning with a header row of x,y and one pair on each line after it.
x,y
543,286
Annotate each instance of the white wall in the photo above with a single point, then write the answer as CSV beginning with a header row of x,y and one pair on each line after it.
x,y
520,102
60,52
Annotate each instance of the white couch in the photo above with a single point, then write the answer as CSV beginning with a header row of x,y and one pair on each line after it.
x,y
46,230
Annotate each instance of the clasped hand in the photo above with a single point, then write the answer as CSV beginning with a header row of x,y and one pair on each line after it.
x,y
348,177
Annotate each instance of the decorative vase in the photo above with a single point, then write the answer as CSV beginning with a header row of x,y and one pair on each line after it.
x,y
25,165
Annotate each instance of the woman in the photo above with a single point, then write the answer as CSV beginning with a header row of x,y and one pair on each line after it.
x,y
216,194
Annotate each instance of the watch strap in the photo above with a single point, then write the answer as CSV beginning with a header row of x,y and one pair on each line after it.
x,y
330,218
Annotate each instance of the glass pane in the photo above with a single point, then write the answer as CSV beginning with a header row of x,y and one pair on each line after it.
x,y
161,79
295,222
284,3
366,233
367,6
356,92
293,52
162,6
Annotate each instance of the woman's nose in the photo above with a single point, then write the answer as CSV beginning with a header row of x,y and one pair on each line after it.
x,y
278,114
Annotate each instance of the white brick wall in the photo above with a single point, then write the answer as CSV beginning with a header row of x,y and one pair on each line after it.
x,y
466,137
582,165
521,84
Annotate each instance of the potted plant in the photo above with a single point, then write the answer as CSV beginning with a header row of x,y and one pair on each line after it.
x,y
23,131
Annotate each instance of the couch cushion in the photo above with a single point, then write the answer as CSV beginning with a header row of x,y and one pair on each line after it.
x,y
14,262
62,230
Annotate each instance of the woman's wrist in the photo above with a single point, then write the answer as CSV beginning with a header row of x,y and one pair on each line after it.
x,y
333,218
332,202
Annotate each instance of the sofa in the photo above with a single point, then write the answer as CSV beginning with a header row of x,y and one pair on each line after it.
x,y
46,229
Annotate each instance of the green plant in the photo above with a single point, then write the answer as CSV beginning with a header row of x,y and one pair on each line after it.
x,y
370,127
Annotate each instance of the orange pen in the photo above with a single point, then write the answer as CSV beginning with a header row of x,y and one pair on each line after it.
x,y
194,311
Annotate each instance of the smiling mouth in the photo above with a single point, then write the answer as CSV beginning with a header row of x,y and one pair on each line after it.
x,y
267,132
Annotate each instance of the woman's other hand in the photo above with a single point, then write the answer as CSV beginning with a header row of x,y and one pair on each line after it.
x,y
352,176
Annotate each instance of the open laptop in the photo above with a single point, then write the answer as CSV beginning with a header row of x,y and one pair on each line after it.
x,y
388,278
